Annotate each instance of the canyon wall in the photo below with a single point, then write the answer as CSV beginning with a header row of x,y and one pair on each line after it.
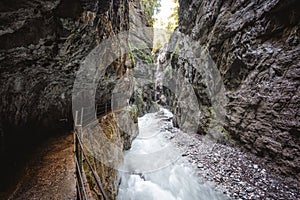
x,y
43,45
255,48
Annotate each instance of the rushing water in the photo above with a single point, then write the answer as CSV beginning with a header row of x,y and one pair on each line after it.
x,y
145,177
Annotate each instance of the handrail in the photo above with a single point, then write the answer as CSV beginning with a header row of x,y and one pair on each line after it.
x,y
98,183
79,154
87,118
81,179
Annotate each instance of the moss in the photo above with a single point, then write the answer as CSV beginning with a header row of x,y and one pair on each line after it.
x,y
146,57
131,56
219,132
133,112
121,8
106,174
139,101
225,135
90,179
176,50
155,105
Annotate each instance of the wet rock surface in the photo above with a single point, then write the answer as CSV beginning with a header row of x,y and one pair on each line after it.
x,y
238,174
255,45
43,45
104,142
38,72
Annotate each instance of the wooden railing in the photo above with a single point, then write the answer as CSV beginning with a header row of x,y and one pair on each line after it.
x,y
83,118
80,158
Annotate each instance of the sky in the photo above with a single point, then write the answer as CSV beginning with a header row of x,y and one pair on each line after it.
x,y
165,12
161,34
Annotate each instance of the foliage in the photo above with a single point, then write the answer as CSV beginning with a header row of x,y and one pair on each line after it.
x,y
173,19
150,7
164,27
133,112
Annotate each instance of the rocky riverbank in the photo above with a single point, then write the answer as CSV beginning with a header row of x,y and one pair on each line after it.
x,y
252,71
237,173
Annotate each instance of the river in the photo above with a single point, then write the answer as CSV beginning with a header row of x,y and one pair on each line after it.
x,y
153,169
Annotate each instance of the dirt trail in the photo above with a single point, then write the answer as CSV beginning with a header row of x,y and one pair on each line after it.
x,y
50,172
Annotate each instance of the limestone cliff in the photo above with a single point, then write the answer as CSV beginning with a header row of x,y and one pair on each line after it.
x,y
255,45
43,45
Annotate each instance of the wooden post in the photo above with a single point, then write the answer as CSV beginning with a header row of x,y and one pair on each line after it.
x,y
74,129
96,112
80,134
81,117
76,151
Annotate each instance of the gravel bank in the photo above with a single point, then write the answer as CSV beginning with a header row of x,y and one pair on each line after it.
x,y
238,174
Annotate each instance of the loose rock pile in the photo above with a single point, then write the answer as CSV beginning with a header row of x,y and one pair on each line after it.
x,y
238,174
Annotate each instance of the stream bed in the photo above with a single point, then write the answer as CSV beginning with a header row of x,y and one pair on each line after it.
x,y
154,169
165,163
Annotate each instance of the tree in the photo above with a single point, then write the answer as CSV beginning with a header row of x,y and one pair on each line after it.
x,y
150,7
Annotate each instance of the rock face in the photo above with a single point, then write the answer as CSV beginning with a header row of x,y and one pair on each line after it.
x,y
104,147
141,43
256,48
43,44
38,64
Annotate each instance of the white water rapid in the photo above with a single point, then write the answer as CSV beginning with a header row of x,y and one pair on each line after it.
x,y
153,168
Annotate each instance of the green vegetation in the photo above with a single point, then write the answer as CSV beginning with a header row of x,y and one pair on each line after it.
x,y
133,112
165,24
173,19
150,8
142,55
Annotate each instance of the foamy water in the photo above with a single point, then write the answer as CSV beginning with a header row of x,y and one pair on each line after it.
x,y
153,168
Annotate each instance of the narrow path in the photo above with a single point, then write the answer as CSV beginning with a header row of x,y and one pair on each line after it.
x,y
50,172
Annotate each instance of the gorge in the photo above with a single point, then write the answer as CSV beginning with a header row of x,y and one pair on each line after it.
x,y
227,77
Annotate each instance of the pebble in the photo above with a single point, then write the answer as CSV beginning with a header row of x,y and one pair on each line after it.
x,y
249,189
239,175
200,165
31,47
242,194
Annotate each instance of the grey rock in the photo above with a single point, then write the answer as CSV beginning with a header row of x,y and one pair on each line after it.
x,y
40,66
200,165
249,189
255,48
